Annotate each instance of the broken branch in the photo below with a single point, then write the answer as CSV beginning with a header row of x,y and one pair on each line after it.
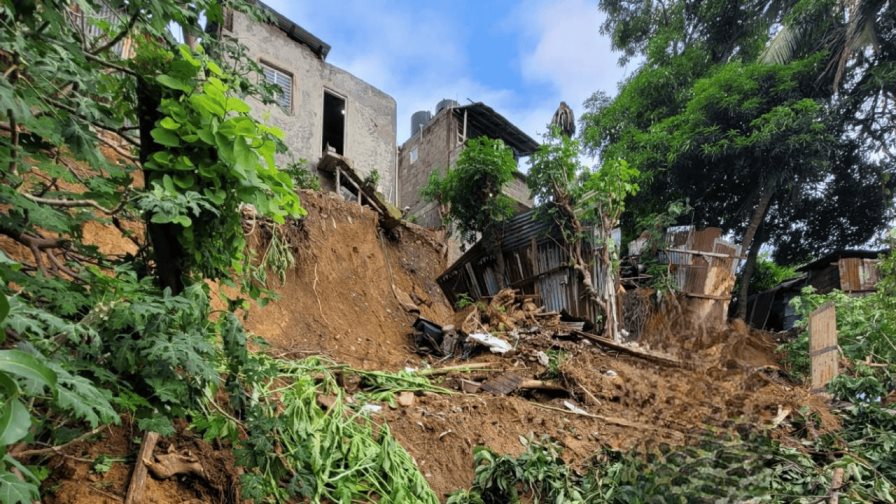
x,y
65,203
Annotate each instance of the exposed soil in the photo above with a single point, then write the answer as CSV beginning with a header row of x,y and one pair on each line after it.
x,y
74,479
349,293
643,405
354,294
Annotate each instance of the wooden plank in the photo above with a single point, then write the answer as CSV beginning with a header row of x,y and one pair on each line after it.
x,y
704,239
138,476
849,273
604,342
823,350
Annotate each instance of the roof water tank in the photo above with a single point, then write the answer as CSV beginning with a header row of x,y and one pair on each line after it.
x,y
446,103
419,120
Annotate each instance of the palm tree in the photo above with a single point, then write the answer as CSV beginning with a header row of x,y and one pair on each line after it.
x,y
846,30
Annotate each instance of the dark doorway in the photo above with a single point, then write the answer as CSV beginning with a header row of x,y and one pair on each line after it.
x,y
334,123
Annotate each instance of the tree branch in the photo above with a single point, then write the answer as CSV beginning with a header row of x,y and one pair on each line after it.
x,y
56,449
74,112
117,38
111,65
13,143
64,203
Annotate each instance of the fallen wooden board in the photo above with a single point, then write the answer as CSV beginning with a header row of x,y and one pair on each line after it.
x,y
659,359
503,384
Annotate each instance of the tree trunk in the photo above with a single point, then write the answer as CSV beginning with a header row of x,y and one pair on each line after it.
x,y
167,252
753,245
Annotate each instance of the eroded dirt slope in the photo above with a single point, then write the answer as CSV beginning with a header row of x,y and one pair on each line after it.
x,y
339,299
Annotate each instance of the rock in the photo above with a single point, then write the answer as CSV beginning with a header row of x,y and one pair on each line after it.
x,y
405,301
406,399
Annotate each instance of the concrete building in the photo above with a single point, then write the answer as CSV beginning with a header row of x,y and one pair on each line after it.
x,y
322,108
435,144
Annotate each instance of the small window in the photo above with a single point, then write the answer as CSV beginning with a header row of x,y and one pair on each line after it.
x,y
414,155
282,79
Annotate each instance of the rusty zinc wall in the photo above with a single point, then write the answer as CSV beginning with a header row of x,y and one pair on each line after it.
x,y
535,263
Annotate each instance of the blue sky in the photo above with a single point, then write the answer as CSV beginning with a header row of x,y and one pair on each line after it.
x,y
520,57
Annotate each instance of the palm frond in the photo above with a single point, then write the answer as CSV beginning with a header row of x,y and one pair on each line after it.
x,y
782,48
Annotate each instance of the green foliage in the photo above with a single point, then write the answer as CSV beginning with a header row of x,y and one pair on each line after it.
x,y
769,274
866,325
217,157
702,120
87,336
432,190
555,168
302,176
463,300
539,473
372,180
653,227
719,468
473,188
295,448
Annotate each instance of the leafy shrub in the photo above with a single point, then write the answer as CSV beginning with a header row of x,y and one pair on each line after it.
x,y
302,176
372,180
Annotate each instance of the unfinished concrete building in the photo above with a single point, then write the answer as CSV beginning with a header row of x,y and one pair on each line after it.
x,y
324,111
435,144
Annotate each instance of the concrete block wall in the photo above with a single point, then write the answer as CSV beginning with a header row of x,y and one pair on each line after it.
x,y
370,116
434,145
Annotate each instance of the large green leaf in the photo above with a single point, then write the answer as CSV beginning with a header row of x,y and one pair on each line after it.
x,y
25,365
14,422
4,307
15,491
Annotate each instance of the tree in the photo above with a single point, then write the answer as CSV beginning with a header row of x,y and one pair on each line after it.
x,y
473,193
586,207
762,151
93,136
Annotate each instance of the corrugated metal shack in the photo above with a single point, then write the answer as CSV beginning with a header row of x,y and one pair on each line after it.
x,y
537,264
853,271
702,262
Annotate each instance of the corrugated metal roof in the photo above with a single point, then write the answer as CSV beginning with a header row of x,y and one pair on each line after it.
x,y
484,119
833,257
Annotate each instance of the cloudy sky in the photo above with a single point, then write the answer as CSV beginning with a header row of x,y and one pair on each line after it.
x,y
521,57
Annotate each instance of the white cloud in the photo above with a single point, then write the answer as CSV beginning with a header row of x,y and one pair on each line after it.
x,y
565,50
417,54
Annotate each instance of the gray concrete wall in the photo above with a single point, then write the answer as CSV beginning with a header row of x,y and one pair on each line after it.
x,y
370,118
519,191
438,148
434,146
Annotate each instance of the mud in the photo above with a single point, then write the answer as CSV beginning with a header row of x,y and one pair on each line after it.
x,y
353,295
339,299
74,479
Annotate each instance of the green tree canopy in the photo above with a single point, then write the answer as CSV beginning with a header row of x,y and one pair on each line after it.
x,y
473,188
760,149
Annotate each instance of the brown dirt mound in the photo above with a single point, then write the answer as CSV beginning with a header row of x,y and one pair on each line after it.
x,y
348,295
73,480
633,403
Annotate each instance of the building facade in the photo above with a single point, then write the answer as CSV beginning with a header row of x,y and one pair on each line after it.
x,y
436,143
322,108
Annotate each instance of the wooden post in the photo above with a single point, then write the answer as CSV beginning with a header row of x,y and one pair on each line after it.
x,y
338,181
823,350
138,477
